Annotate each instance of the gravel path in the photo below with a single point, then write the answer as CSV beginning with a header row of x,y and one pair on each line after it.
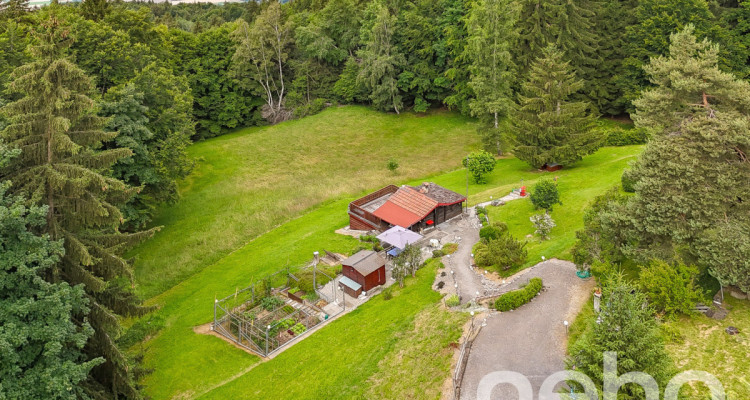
x,y
530,340
469,283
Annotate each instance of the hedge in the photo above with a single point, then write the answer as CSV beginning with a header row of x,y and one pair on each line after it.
x,y
624,137
517,298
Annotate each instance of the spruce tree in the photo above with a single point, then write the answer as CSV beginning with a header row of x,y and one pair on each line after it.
x,y
41,347
692,180
569,26
13,9
628,328
381,59
55,125
490,29
549,127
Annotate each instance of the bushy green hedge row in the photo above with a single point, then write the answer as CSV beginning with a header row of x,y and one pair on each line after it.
x,y
624,137
517,298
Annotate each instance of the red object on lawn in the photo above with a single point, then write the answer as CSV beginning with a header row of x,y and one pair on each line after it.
x,y
523,191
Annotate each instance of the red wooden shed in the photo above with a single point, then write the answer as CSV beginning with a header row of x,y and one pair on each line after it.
x,y
362,272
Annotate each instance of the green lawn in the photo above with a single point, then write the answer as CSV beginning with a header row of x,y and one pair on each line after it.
x,y
578,185
186,364
250,181
355,356
702,344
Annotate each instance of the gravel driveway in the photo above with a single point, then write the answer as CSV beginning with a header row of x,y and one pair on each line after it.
x,y
530,340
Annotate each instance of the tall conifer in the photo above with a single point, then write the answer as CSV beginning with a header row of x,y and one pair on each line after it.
x,y
491,32
55,125
549,126
693,178
569,26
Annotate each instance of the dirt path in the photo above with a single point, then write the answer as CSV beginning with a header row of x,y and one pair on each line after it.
x,y
530,340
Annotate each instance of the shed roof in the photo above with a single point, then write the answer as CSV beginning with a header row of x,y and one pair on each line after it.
x,y
443,196
405,207
365,262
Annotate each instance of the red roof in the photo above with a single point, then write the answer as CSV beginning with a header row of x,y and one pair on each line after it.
x,y
406,207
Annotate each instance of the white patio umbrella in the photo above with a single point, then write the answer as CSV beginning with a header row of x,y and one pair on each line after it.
x,y
399,237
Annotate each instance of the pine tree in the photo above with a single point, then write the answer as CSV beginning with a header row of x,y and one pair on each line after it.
x,y
381,60
490,29
629,329
567,25
692,180
549,127
55,126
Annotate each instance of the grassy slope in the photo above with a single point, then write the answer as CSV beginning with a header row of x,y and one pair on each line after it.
x,y
704,346
337,362
178,355
235,194
578,185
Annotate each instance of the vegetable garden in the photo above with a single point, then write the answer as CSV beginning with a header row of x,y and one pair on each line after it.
x,y
272,312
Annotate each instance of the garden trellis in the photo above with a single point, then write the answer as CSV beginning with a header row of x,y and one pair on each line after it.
x,y
273,312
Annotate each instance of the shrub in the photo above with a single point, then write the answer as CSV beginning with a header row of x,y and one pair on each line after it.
x,y
369,238
628,181
312,297
544,195
388,293
543,224
482,214
501,253
440,285
517,298
624,137
437,253
450,248
480,163
494,231
452,301
392,165
670,289
376,247
140,330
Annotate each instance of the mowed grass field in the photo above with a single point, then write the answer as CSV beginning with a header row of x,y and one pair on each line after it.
x,y
349,358
578,186
250,181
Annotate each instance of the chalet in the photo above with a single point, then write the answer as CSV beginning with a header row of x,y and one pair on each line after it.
x,y
362,272
411,207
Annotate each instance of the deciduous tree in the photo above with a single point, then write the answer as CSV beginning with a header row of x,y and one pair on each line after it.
x,y
261,58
